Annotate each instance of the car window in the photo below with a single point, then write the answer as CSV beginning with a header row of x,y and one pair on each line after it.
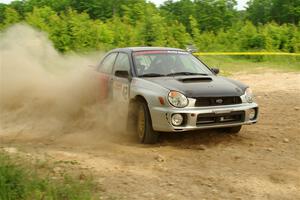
x,y
122,63
108,63
167,62
143,62
189,62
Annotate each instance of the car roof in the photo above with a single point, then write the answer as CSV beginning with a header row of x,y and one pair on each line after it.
x,y
134,49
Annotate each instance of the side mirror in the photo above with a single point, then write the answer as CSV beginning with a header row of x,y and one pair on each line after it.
x,y
215,70
122,74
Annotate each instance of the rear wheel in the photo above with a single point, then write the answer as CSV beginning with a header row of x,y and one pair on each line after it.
x,y
144,128
233,130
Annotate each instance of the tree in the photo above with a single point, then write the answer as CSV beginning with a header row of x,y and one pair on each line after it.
x,y
153,30
280,11
176,35
85,25
258,11
11,16
214,15
56,5
210,15
180,11
251,38
287,11
2,10
124,33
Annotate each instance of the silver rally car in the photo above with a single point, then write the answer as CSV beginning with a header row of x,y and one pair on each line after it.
x,y
170,90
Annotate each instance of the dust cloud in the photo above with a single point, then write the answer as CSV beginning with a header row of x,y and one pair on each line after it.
x,y
45,92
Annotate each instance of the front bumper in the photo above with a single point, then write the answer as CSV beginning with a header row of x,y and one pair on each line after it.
x,y
161,117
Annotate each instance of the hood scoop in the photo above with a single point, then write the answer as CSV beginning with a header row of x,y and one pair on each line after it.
x,y
195,79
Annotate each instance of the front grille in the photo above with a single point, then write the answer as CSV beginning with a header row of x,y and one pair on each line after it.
x,y
214,119
216,101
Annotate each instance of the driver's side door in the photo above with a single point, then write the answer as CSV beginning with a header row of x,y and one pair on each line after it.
x,y
120,82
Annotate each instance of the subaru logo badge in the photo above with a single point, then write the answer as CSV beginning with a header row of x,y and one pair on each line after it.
x,y
219,101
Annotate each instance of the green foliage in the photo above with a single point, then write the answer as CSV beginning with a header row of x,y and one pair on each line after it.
x,y
2,10
16,182
153,30
280,11
180,11
11,16
177,36
12,181
247,37
210,15
71,30
84,25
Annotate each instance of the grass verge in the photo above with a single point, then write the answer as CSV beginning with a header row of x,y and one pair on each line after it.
x,y
21,181
234,64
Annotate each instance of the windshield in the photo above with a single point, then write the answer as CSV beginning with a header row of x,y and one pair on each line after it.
x,y
168,63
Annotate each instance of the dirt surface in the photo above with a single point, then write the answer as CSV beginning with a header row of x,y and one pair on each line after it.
x,y
262,162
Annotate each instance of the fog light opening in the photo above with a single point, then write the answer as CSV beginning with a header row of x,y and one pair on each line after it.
x,y
177,119
252,114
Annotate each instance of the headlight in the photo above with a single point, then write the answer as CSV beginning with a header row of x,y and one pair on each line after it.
x,y
252,114
249,95
177,119
177,99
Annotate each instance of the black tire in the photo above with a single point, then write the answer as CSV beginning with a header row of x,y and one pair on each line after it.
x,y
233,130
144,128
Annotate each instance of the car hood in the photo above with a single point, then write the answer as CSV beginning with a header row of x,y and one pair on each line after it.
x,y
201,86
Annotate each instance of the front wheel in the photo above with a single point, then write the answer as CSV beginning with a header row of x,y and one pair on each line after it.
x,y
233,130
144,125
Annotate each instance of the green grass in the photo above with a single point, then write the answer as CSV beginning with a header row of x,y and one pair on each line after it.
x,y
22,181
233,64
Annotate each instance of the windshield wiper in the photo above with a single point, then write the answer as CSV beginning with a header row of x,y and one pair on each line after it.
x,y
185,73
151,75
